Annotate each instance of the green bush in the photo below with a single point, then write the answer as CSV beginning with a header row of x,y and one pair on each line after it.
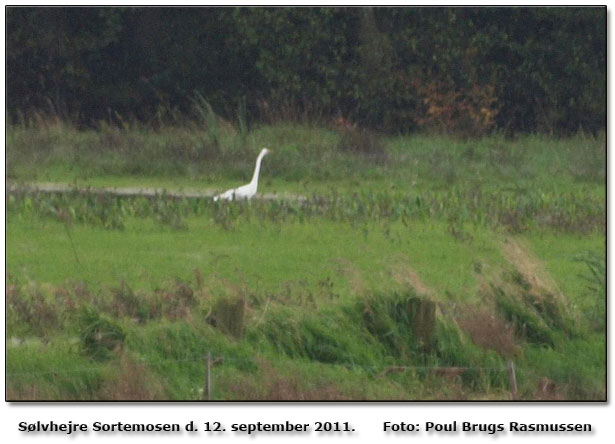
x,y
100,336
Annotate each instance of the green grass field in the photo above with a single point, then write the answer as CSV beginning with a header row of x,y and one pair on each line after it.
x,y
416,268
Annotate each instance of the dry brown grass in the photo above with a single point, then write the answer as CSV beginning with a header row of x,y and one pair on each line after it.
x,y
174,302
273,384
531,284
32,307
444,388
178,301
530,267
30,392
547,391
403,273
488,330
352,273
131,383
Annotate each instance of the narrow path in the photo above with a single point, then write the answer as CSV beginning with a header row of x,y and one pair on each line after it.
x,y
131,191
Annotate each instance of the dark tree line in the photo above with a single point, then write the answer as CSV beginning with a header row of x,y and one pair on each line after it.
x,y
395,69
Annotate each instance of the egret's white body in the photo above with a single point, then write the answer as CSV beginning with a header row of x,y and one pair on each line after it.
x,y
249,190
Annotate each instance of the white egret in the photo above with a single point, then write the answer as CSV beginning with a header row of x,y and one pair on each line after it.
x,y
249,190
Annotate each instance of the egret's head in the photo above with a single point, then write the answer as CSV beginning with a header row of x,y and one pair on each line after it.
x,y
265,151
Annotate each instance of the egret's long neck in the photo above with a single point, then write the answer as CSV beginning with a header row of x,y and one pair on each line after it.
x,y
257,169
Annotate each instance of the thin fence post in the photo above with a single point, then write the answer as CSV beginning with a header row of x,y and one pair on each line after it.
x,y
512,379
207,393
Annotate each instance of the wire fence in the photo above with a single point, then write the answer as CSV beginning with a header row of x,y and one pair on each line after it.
x,y
88,369
220,359
210,361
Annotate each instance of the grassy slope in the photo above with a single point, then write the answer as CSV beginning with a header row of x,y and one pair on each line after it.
x,y
290,270
258,255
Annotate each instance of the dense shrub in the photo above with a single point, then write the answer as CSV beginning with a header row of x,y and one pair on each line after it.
x,y
468,70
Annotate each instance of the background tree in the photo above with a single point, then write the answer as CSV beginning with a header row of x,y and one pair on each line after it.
x,y
460,70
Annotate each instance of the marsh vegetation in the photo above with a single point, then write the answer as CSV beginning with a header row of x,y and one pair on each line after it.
x,y
121,297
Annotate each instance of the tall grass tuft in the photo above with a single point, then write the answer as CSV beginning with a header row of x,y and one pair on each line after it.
x,y
363,142
207,115
228,315
242,119
594,303
404,323
100,336
489,330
